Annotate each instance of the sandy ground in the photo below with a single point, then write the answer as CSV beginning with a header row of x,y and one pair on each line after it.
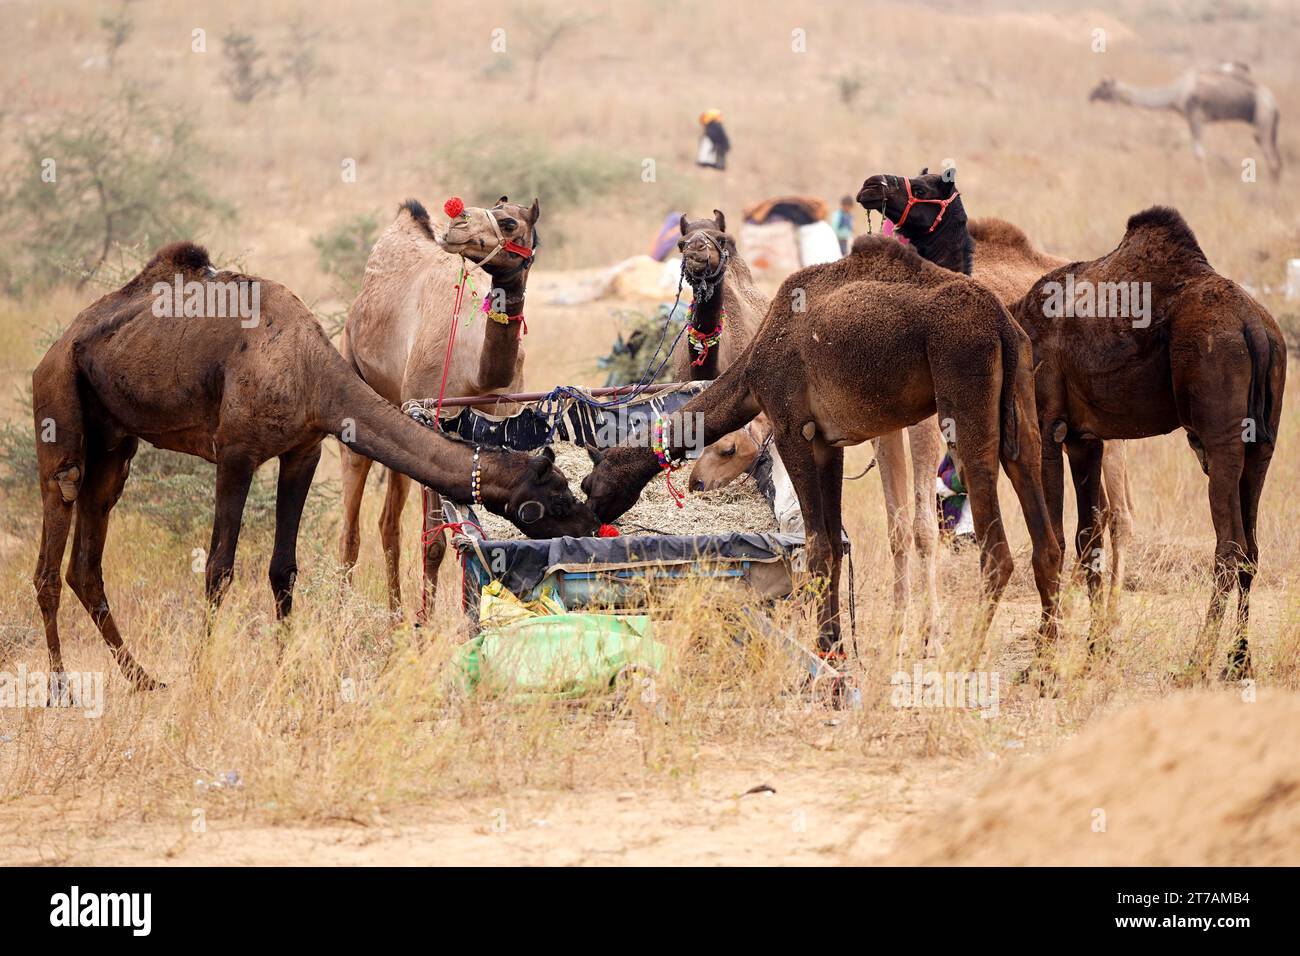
x,y
820,808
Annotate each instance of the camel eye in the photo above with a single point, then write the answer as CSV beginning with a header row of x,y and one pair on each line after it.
x,y
729,450
509,224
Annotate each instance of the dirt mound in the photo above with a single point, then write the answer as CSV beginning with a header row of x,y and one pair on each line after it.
x,y
1199,779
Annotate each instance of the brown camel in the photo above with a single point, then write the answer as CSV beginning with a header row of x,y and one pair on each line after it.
x,y
1144,340
1000,257
188,373
885,339
726,310
1229,93
396,339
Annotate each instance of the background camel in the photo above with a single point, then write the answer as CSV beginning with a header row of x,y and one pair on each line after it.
x,y
726,307
1229,93
1000,257
396,338
886,340
1203,356
235,392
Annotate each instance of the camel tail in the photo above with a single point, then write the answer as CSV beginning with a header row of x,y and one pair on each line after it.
x,y
1011,344
1260,400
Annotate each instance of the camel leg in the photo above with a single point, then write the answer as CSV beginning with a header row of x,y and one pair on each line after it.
x,y
892,464
1119,520
830,466
1225,465
296,472
1194,127
926,445
1026,478
978,442
61,467
234,476
433,550
1085,470
106,473
390,533
801,464
354,469
1252,485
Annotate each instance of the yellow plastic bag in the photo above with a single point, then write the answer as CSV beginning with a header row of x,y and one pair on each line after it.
x,y
498,607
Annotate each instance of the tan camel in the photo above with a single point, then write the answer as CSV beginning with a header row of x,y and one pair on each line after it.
x,y
235,370
999,256
1144,340
1229,93
885,340
396,339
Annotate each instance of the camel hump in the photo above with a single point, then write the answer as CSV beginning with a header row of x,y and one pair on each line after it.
x,y
998,232
1167,221
178,258
419,215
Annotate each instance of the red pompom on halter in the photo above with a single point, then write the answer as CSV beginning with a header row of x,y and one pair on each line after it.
x,y
453,207
607,531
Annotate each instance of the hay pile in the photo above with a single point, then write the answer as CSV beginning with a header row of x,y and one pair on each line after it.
x,y
1200,779
738,507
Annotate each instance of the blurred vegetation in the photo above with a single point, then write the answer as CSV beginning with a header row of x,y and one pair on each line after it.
x,y
83,183
342,251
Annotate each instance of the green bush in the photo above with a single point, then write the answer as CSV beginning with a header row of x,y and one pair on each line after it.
x,y
342,251
483,171
119,172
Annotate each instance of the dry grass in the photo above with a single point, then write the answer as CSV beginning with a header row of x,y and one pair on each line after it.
x,y
1002,92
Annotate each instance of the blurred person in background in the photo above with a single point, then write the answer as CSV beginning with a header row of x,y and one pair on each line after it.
x,y
714,144
842,223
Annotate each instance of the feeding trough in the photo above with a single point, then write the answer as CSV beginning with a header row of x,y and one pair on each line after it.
x,y
638,569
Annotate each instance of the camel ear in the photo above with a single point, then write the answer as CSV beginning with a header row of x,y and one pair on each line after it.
x,y
535,213
542,466
924,172
503,200
682,222
548,451
720,219
595,455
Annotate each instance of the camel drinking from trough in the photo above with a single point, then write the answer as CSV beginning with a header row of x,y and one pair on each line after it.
x,y
886,340
235,390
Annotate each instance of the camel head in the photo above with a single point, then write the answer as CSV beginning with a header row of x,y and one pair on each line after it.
x,y
730,456
616,481
705,247
888,195
1105,90
485,236
533,495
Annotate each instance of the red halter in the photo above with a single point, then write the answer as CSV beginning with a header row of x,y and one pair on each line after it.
x,y
912,201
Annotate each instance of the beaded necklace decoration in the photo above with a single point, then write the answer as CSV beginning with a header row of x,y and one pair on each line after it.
x,y
701,342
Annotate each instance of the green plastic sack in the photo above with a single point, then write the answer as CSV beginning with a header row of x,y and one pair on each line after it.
x,y
559,656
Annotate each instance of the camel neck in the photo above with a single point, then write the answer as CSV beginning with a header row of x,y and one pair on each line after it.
x,y
500,355
948,248
706,320
1150,97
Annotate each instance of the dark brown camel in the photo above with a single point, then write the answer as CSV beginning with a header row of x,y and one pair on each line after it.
x,y
886,338
1191,351
236,391
1000,257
